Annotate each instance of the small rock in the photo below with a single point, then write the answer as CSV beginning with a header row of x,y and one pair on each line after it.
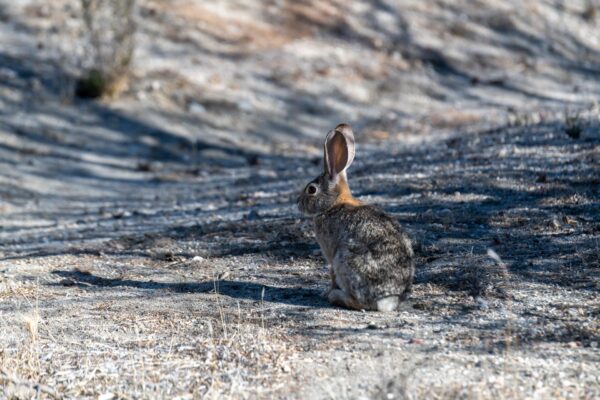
x,y
198,258
265,173
196,108
245,105
210,207
121,214
416,341
106,396
155,85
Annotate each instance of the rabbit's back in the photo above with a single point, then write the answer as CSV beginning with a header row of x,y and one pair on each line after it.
x,y
368,250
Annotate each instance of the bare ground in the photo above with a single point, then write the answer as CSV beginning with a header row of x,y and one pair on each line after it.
x,y
150,246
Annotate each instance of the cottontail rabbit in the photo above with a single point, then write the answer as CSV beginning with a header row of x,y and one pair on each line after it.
x,y
370,255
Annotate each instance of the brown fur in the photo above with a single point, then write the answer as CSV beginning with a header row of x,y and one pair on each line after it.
x,y
371,257
345,196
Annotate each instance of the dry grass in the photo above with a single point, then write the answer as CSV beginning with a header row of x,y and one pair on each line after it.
x,y
109,30
228,354
20,358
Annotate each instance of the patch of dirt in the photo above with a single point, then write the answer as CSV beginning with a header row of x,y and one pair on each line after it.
x,y
151,247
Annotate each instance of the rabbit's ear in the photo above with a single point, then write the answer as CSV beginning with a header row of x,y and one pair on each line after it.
x,y
339,150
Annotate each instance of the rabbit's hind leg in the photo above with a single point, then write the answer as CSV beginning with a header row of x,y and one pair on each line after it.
x,y
340,298
342,293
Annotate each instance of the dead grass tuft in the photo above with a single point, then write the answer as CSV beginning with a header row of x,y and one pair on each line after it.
x,y
109,29
574,124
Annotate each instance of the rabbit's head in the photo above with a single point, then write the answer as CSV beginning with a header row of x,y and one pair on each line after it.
x,y
331,187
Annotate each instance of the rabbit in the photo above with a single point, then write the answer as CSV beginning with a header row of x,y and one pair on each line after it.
x,y
370,256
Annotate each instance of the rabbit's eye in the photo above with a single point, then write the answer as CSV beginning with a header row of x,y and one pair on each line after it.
x,y
312,189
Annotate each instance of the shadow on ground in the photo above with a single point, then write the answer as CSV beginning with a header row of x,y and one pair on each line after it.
x,y
240,290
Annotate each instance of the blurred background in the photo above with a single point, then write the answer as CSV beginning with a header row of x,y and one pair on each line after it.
x,y
119,105
226,79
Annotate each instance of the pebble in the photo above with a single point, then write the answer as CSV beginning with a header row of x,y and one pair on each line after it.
x,y
121,214
155,85
196,108
245,105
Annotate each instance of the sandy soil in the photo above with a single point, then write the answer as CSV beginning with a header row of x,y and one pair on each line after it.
x,y
150,245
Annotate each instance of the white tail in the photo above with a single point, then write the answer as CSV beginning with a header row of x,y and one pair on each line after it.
x,y
387,304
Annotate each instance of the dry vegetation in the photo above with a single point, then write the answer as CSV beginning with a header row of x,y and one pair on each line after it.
x,y
109,42
150,246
